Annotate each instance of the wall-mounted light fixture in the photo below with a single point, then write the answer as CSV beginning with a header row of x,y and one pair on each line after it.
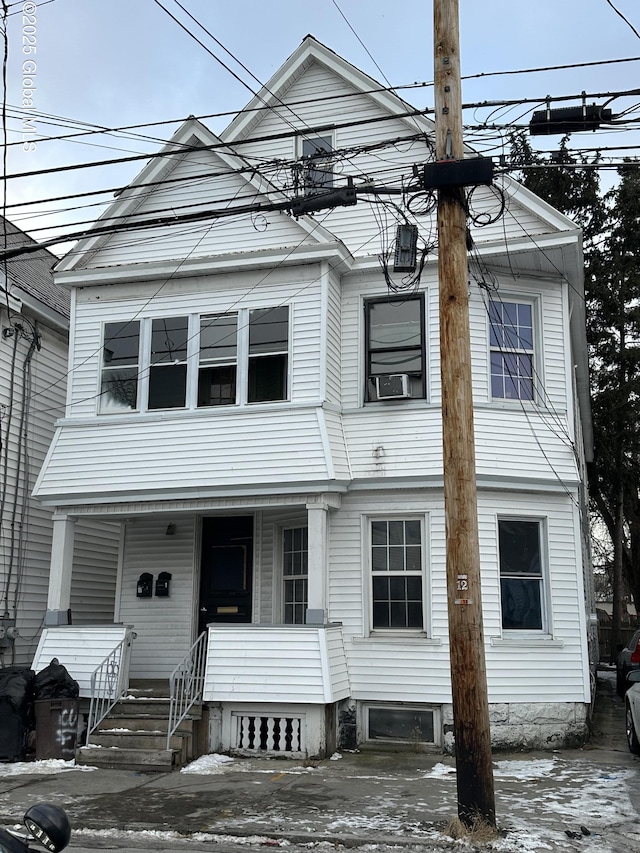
x,y
171,530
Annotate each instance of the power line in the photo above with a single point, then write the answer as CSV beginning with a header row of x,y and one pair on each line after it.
x,y
626,20
61,121
318,130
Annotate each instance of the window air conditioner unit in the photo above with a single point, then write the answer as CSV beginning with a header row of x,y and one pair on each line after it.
x,y
394,386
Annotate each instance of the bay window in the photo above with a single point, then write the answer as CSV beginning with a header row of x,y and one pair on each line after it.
x,y
195,361
120,367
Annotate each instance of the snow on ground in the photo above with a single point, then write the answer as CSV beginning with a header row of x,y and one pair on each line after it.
x,y
207,764
537,800
49,765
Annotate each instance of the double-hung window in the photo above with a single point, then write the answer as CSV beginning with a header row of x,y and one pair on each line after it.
x,y
511,341
397,574
268,354
295,562
521,574
120,367
218,367
395,346
168,363
196,361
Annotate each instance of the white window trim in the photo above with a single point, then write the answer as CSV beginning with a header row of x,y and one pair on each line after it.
x,y
535,301
546,631
363,351
292,525
277,568
367,577
329,160
193,362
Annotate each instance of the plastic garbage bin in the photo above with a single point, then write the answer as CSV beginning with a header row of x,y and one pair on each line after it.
x,y
56,728
16,709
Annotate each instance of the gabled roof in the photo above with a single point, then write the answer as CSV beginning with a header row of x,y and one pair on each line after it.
x,y
30,276
309,51
227,150
191,135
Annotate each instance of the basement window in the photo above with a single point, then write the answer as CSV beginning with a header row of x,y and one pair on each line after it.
x,y
411,725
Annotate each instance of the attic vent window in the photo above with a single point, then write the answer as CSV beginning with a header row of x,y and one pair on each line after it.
x,y
317,172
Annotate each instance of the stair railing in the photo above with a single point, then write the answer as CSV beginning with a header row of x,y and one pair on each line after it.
x,y
109,683
186,684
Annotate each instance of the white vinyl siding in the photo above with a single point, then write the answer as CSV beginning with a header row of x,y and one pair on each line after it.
x,y
417,669
80,649
204,184
94,572
95,566
163,625
290,663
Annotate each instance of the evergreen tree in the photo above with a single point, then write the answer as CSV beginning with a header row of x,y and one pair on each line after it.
x,y
611,230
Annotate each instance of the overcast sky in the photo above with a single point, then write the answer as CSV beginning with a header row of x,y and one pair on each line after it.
x,y
121,62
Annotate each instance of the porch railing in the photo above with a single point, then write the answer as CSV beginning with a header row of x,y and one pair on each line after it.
x,y
109,683
186,684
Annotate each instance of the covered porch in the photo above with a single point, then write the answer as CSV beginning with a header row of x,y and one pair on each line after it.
x,y
251,577
268,689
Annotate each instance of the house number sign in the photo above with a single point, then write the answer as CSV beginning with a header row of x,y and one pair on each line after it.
x,y
462,585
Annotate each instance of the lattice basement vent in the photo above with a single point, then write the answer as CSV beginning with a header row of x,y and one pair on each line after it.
x,y
269,734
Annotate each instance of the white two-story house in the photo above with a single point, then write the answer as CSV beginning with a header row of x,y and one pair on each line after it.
x,y
254,397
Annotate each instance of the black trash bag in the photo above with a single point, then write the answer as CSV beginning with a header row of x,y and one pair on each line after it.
x,y
16,686
54,682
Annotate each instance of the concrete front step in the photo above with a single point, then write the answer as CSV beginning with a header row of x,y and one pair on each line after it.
x,y
142,760
128,739
145,724
151,708
134,734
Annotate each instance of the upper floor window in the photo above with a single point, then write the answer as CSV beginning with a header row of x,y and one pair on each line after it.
x,y
196,361
218,364
395,348
317,168
521,576
396,574
512,351
268,349
120,367
168,363
295,562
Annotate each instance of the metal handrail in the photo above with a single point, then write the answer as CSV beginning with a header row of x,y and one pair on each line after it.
x,y
186,684
109,682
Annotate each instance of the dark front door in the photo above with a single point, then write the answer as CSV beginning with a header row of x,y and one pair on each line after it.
x,y
225,576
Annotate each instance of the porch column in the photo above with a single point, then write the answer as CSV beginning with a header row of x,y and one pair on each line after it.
x,y
59,598
318,562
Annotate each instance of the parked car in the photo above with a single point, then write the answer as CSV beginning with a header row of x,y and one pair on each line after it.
x,y
632,711
628,659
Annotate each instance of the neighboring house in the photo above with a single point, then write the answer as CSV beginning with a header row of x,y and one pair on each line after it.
x,y
34,330
260,412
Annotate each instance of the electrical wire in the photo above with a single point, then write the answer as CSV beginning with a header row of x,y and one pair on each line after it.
x,y
626,20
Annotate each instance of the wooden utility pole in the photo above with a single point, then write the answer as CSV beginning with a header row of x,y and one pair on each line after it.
x,y
466,638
